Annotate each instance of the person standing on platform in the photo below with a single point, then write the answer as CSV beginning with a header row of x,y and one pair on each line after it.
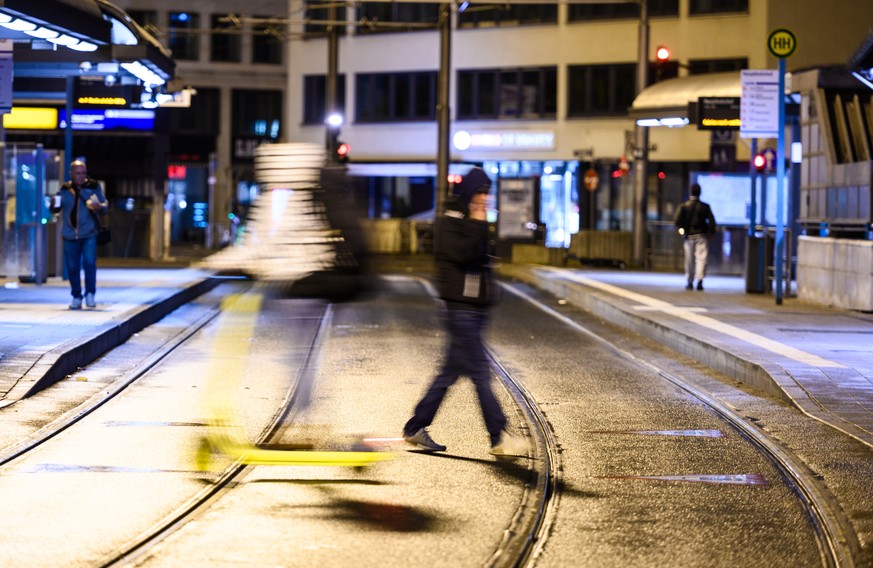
x,y
466,285
696,224
80,201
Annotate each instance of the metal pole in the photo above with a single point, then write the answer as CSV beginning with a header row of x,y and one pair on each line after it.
x,y
68,131
641,149
442,108
753,174
780,185
330,103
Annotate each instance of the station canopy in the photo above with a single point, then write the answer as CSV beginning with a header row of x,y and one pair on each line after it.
x,y
667,101
77,24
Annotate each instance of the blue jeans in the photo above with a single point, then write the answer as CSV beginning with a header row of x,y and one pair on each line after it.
x,y
466,356
81,254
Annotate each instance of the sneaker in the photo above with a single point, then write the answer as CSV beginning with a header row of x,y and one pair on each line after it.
x,y
423,440
89,301
76,304
700,284
509,445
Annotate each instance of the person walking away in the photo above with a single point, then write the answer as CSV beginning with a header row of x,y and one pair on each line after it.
x,y
79,201
696,224
466,286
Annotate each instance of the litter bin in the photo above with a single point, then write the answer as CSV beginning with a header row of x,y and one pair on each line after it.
x,y
756,264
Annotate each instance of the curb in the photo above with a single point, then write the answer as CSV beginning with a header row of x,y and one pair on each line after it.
x,y
66,359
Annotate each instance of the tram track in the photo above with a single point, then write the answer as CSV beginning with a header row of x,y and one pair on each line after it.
x,y
104,396
836,540
224,482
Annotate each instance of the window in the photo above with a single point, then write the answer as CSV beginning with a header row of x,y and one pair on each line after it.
x,y
266,43
315,98
697,7
700,66
527,93
600,90
620,11
184,41
225,44
202,118
392,97
318,11
257,113
507,15
147,19
413,13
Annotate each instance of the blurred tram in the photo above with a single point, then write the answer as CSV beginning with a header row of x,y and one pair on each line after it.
x,y
303,234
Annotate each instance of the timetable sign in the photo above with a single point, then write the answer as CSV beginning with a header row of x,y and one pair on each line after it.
x,y
759,103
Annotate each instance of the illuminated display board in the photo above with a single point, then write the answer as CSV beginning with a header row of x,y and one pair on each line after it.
x,y
109,119
31,118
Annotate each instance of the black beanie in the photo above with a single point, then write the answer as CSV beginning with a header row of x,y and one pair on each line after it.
x,y
475,181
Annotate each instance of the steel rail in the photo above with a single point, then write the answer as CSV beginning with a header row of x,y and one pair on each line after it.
x,y
524,538
70,418
836,539
139,546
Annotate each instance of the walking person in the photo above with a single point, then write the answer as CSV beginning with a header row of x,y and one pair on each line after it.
x,y
696,223
80,201
466,285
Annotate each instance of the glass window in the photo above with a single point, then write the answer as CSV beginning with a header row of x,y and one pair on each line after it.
x,y
147,19
225,44
391,97
600,90
202,118
371,14
184,40
507,15
317,11
267,43
620,10
507,93
696,7
257,113
700,66
315,97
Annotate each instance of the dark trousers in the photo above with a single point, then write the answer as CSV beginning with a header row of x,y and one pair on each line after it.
x,y
79,254
466,356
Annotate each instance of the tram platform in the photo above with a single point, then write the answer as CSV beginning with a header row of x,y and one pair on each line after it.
x,y
816,358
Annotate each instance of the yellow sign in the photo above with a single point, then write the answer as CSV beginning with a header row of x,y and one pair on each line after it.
x,y
103,101
782,43
30,118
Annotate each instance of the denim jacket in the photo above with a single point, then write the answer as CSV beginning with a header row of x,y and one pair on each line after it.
x,y
86,225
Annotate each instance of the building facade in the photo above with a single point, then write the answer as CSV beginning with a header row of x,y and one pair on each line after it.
x,y
539,95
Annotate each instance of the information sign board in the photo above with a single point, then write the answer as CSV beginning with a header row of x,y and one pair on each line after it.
x,y
759,103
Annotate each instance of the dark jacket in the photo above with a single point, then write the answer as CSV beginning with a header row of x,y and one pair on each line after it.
x,y
83,224
461,255
695,217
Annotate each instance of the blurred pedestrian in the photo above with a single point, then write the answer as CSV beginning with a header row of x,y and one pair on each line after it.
x,y
81,202
696,224
466,285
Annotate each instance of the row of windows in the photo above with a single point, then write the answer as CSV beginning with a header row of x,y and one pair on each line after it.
x,y
183,33
493,94
381,17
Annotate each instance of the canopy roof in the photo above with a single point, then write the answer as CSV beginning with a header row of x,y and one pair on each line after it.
x,y
670,98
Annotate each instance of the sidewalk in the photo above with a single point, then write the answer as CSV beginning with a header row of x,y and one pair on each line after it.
x,y
816,358
42,340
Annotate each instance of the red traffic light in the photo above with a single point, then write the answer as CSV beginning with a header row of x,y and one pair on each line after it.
x,y
343,150
760,162
662,54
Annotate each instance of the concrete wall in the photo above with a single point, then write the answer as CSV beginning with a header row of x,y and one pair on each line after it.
x,y
835,272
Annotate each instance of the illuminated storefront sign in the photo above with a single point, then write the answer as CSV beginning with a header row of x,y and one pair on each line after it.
x,y
519,140
31,118
109,119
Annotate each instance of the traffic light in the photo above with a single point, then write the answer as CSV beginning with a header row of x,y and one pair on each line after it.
x,y
662,54
760,162
341,152
664,68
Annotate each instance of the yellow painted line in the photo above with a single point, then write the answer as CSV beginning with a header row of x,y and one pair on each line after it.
x,y
227,364
690,315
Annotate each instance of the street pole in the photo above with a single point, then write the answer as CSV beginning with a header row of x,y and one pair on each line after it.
x,y
780,186
641,146
330,88
442,108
